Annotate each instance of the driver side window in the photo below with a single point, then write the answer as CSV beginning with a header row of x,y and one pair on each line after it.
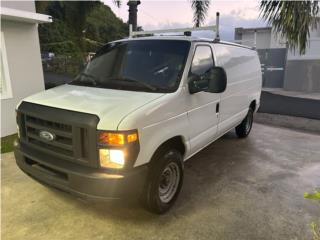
x,y
202,61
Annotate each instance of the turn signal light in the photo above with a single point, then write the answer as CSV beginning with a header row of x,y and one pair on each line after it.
x,y
117,138
111,138
132,137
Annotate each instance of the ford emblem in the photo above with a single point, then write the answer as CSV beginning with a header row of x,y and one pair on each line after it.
x,y
48,136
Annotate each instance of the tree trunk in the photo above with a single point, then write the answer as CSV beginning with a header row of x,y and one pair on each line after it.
x,y
133,9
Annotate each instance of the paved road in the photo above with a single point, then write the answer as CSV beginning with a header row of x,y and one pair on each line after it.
x,y
234,189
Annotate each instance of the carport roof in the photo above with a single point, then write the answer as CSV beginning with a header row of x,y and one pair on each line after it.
x,y
24,16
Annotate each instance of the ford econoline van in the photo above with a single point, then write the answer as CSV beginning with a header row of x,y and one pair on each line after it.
x,y
142,106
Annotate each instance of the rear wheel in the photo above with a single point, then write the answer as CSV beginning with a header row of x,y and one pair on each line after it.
x,y
165,181
244,128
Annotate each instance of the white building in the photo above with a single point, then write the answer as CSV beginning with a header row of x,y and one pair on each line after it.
x,y
283,67
21,68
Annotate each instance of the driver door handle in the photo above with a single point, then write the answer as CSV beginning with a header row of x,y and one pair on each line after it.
x,y
217,108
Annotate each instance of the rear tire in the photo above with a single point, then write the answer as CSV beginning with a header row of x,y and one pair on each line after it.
x,y
244,128
164,182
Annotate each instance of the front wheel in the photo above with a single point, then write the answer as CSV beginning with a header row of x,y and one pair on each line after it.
x,y
244,128
164,182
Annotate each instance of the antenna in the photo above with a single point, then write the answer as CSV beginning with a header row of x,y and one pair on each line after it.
x,y
255,39
130,30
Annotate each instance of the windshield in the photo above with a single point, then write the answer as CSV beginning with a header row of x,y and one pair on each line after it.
x,y
142,65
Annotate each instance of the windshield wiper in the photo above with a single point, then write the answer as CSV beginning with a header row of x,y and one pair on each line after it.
x,y
135,81
88,79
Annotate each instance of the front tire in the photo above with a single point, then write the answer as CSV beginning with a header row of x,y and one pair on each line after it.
x,y
165,181
244,128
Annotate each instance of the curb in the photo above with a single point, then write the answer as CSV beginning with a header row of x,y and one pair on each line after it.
x,y
289,106
298,123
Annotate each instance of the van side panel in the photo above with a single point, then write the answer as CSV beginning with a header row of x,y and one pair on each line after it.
x,y
244,78
158,122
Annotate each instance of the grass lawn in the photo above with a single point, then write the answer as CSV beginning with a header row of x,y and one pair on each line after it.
x,y
7,143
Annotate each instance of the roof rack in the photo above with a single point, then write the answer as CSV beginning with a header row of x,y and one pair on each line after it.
x,y
186,31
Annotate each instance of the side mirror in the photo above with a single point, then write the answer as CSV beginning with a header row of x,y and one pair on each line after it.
x,y
218,80
213,81
195,82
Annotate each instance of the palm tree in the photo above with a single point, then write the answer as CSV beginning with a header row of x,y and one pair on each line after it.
x,y
133,9
200,10
292,20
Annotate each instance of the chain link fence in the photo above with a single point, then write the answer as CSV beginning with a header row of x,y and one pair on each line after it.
x,y
60,70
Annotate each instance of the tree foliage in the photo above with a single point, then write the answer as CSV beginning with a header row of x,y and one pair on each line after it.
x,y
78,27
292,20
200,10
103,26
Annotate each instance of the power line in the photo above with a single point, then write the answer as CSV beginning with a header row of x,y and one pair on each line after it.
x,y
149,15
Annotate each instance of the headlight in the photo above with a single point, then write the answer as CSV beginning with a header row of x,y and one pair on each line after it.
x,y
112,158
118,149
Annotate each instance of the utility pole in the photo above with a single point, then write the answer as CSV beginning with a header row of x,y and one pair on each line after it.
x,y
133,9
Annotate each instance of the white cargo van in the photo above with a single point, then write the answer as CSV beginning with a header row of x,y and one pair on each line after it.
x,y
138,110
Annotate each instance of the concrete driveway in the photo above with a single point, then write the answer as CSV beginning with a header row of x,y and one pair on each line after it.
x,y
234,189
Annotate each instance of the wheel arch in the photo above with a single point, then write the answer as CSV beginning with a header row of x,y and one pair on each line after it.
x,y
176,142
253,105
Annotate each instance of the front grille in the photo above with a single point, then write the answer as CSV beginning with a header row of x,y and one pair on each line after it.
x,y
74,133
62,144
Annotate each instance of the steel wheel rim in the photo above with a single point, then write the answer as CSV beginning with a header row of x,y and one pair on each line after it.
x,y
169,182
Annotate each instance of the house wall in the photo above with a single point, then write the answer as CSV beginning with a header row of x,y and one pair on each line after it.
x,y
263,39
25,68
282,67
273,61
19,5
272,54
303,71
276,41
266,39
302,75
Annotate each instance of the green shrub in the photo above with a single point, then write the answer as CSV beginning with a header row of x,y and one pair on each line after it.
x,y
315,195
314,226
7,143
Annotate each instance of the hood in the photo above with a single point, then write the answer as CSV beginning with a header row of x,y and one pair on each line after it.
x,y
110,105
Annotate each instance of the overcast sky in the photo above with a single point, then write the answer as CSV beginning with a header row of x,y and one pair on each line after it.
x,y
155,14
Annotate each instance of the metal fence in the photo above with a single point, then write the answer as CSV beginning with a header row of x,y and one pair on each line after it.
x,y
60,70
62,64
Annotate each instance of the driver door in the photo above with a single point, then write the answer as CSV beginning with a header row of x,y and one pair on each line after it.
x,y
203,107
